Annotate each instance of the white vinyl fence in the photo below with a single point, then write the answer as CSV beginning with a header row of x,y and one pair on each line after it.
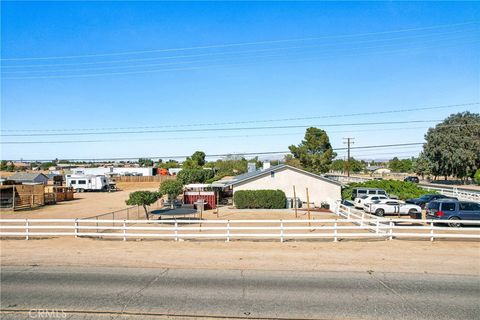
x,y
227,230
461,194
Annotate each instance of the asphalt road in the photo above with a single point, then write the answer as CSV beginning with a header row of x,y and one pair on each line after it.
x,y
97,293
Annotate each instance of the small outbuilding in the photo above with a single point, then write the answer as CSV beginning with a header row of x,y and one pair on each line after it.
x,y
284,177
25,177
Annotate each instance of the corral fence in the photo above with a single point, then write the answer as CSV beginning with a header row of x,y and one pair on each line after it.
x,y
461,194
228,230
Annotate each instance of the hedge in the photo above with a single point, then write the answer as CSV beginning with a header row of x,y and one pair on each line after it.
x,y
260,199
403,190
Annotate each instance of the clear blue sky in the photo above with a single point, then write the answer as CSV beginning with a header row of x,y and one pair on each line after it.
x,y
364,57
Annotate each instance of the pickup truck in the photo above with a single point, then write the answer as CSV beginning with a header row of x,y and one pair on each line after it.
x,y
390,206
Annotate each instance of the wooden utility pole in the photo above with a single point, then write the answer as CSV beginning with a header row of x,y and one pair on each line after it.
x,y
348,142
295,202
308,206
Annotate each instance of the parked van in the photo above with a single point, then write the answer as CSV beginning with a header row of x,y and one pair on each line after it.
x,y
360,192
81,183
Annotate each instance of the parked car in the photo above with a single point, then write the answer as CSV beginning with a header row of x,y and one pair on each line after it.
x,y
453,210
359,192
391,206
411,179
361,201
426,198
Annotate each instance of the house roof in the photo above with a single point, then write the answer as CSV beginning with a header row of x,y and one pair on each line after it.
x,y
25,176
257,174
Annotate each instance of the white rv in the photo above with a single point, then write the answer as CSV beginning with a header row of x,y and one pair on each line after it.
x,y
81,182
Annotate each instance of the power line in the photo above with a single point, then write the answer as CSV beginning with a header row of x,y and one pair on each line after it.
x,y
215,46
205,67
250,121
410,37
215,129
223,154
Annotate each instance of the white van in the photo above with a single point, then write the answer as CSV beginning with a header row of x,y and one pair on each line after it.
x,y
360,192
81,183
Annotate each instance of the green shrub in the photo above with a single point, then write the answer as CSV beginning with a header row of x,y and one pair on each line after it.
x,y
403,190
187,176
260,199
476,177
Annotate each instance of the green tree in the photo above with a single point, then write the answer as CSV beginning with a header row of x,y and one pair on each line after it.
x,y
421,165
144,199
4,165
476,177
169,164
199,158
187,176
144,162
172,188
397,165
315,151
453,146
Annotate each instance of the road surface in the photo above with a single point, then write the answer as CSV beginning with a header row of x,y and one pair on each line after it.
x,y
140,293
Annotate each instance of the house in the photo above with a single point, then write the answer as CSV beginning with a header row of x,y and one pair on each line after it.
x,y
24,177
284,177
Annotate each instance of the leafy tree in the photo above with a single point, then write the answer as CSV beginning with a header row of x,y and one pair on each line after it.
x,y
341,165
172,188
199,158
4,165
397,165
230,166
453,146
144,199
144,162
169,164
187,176
421,165
315,151
46,165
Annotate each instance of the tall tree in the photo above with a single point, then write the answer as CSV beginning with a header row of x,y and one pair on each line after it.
x,y
144,162
315,152
199,158
172,188
453,146
421,165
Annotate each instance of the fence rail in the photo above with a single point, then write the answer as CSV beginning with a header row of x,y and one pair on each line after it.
x,y
227,230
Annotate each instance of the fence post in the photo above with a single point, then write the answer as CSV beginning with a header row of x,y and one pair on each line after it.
x,y
113,218
431,231
228,230
128,214
26,229
391,230
348,213
124,230
363,217
281,230
176,230
76,228
335,231
376,226
97,222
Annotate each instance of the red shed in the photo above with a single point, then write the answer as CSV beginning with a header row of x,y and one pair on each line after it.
x,y
194,192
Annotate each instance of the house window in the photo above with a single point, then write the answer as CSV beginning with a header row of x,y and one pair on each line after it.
x,y
82,182
272,174
73,182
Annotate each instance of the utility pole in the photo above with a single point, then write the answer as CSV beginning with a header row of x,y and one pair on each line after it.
x,y
348,142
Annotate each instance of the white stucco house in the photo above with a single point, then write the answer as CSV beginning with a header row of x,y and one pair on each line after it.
x,y
284,177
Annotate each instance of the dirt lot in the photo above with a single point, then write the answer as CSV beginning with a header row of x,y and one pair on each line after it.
x,y
448,257
84,205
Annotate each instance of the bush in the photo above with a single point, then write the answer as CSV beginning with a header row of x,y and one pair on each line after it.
x,y
403,190
187,176
260,199
476,177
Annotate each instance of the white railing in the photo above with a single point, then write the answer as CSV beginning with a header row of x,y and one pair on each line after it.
x,y
227,230
461,194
